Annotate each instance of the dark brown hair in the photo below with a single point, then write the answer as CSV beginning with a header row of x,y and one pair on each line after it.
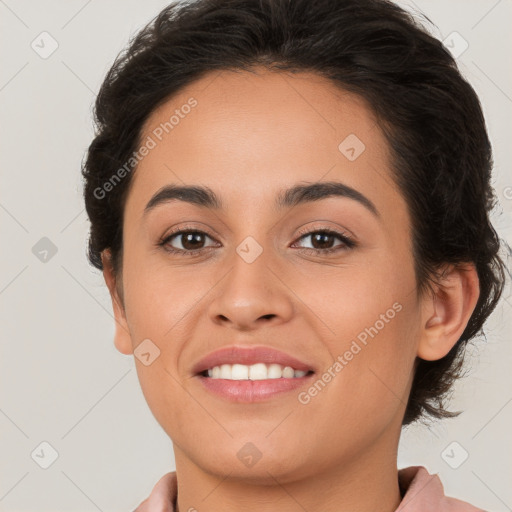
x,y
429,113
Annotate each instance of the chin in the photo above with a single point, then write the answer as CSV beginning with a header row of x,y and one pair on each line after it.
x,y
246,461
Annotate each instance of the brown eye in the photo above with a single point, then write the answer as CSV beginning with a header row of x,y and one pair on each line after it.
x,y
324,241
186,241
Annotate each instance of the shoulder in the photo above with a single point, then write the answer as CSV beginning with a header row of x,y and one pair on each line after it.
x,y
162,497
424,492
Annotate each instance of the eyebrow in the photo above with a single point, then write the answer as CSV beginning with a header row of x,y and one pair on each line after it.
x,y
299,194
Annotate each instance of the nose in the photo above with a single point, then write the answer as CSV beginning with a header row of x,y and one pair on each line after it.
x,y
251,295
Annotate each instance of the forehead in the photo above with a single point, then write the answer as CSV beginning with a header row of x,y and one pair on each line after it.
x,y
261,131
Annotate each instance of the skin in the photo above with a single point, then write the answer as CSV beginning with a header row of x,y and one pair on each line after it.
x,y
251,135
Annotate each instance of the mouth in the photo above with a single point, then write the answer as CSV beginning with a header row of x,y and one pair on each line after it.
x,y
254,372
251,374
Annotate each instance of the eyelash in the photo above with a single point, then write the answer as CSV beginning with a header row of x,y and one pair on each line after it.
x,y
348,242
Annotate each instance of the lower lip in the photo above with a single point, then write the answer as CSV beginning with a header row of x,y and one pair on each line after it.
x,y
248,391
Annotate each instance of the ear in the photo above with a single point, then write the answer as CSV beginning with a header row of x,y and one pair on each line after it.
x,y
446,312
122,339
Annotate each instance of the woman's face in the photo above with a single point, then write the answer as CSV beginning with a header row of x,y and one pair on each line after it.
x,y
255,277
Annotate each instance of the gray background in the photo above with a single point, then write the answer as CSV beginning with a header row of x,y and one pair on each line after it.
x,y
62,380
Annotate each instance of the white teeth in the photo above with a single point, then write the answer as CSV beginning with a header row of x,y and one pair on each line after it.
x,y
238,372
275,371
225,371
258,371
288,373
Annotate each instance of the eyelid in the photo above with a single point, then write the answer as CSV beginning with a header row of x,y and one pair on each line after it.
x,y
323,225
348,240
187,228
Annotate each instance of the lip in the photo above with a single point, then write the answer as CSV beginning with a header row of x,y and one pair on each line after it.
x,y
249,391
249,355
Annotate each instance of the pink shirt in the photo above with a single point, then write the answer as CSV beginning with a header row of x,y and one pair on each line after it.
x,y
423,493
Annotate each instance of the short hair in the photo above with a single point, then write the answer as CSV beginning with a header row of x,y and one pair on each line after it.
x,y
430,115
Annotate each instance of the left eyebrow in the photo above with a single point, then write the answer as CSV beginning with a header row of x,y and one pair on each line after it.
x,y
322,190
206,198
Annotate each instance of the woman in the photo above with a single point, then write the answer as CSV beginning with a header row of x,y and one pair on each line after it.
x,y
290,203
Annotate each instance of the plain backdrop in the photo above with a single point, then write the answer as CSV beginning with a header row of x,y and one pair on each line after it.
x,y
62,381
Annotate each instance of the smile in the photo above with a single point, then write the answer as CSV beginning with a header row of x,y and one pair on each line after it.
x,y
258,371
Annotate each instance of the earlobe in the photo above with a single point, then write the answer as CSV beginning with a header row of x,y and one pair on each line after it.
x,y
122,338
447,311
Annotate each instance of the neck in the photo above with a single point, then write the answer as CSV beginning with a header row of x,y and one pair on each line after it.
x,y
368,482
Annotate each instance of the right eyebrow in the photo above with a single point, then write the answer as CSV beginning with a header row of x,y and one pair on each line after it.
x,y
194,194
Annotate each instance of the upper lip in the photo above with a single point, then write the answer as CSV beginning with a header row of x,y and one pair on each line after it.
x,y
249,355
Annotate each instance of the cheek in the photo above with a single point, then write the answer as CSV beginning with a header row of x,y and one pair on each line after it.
x,y
162,304
366,390
372,319
159,298
348,301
